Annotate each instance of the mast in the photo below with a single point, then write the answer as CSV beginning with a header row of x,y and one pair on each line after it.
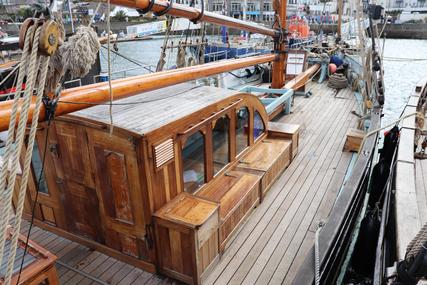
x,y
340,11
71,16
278,78
245,5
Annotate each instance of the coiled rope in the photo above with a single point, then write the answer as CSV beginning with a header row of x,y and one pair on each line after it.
x,y
337,81
416,244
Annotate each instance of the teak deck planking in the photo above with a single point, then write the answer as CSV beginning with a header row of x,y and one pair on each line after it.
x,y
288,200
273,240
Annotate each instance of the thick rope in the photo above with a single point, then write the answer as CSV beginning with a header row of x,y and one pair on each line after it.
x,y
337,81
27,166
416,244
317,255
5,203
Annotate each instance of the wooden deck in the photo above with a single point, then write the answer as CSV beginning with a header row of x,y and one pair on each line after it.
x,y
272,243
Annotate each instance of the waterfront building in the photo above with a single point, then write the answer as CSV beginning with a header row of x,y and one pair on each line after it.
x,y
262,10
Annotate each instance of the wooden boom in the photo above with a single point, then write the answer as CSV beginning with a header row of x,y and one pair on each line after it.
x,y
83,97
187,12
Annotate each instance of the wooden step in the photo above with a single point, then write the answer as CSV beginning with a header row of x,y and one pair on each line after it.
x,y
287,131
237,193
186,232
269,158
353,140
38,264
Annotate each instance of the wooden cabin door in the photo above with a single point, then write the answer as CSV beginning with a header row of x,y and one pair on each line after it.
x,y
75,182
114,160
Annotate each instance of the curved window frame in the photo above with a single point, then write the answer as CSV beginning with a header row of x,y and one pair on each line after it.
x,y
261,134
184,142
248,136
229,142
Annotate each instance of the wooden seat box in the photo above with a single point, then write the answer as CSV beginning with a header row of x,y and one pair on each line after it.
x,y
268,158
287,131
186,232
353,140
38,267
237,193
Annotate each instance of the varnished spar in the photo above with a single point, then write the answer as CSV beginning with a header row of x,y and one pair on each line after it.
x,y
122,88
79,98
191,13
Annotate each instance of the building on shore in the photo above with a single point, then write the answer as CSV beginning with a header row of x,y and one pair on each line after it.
x,y
12,6
262,10
404,4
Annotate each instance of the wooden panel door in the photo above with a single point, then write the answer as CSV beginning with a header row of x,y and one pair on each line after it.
x,y
75,181
114,160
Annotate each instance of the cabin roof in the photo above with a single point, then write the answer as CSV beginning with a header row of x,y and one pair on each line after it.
x,y
148,111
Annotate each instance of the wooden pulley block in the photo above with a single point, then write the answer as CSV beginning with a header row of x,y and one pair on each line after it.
x,y
23,31
49,38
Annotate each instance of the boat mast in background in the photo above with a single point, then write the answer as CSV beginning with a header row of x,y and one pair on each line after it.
x,y
278,78
340,11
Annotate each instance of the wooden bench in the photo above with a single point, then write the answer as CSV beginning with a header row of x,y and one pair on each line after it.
x,y
38,267
287,131
268,159
186,230
354,138
237,193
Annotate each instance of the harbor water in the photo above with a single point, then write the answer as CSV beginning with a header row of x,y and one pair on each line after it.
x,y
405,63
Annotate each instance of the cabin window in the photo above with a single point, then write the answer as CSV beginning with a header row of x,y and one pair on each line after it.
x,y
193,160
242,129
36,161
258,125
220,143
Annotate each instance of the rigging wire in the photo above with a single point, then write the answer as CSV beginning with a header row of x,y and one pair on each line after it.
x,y
33,209
404,59
134,61
110,89
10,74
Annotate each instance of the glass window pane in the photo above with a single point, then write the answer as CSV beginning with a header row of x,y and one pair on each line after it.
x,y
37,166
193,161
258,125
242,129
220,143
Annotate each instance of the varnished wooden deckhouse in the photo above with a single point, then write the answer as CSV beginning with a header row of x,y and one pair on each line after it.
x,y
183,168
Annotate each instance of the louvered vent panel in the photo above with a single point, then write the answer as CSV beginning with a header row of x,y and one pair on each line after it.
x,y
163,152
